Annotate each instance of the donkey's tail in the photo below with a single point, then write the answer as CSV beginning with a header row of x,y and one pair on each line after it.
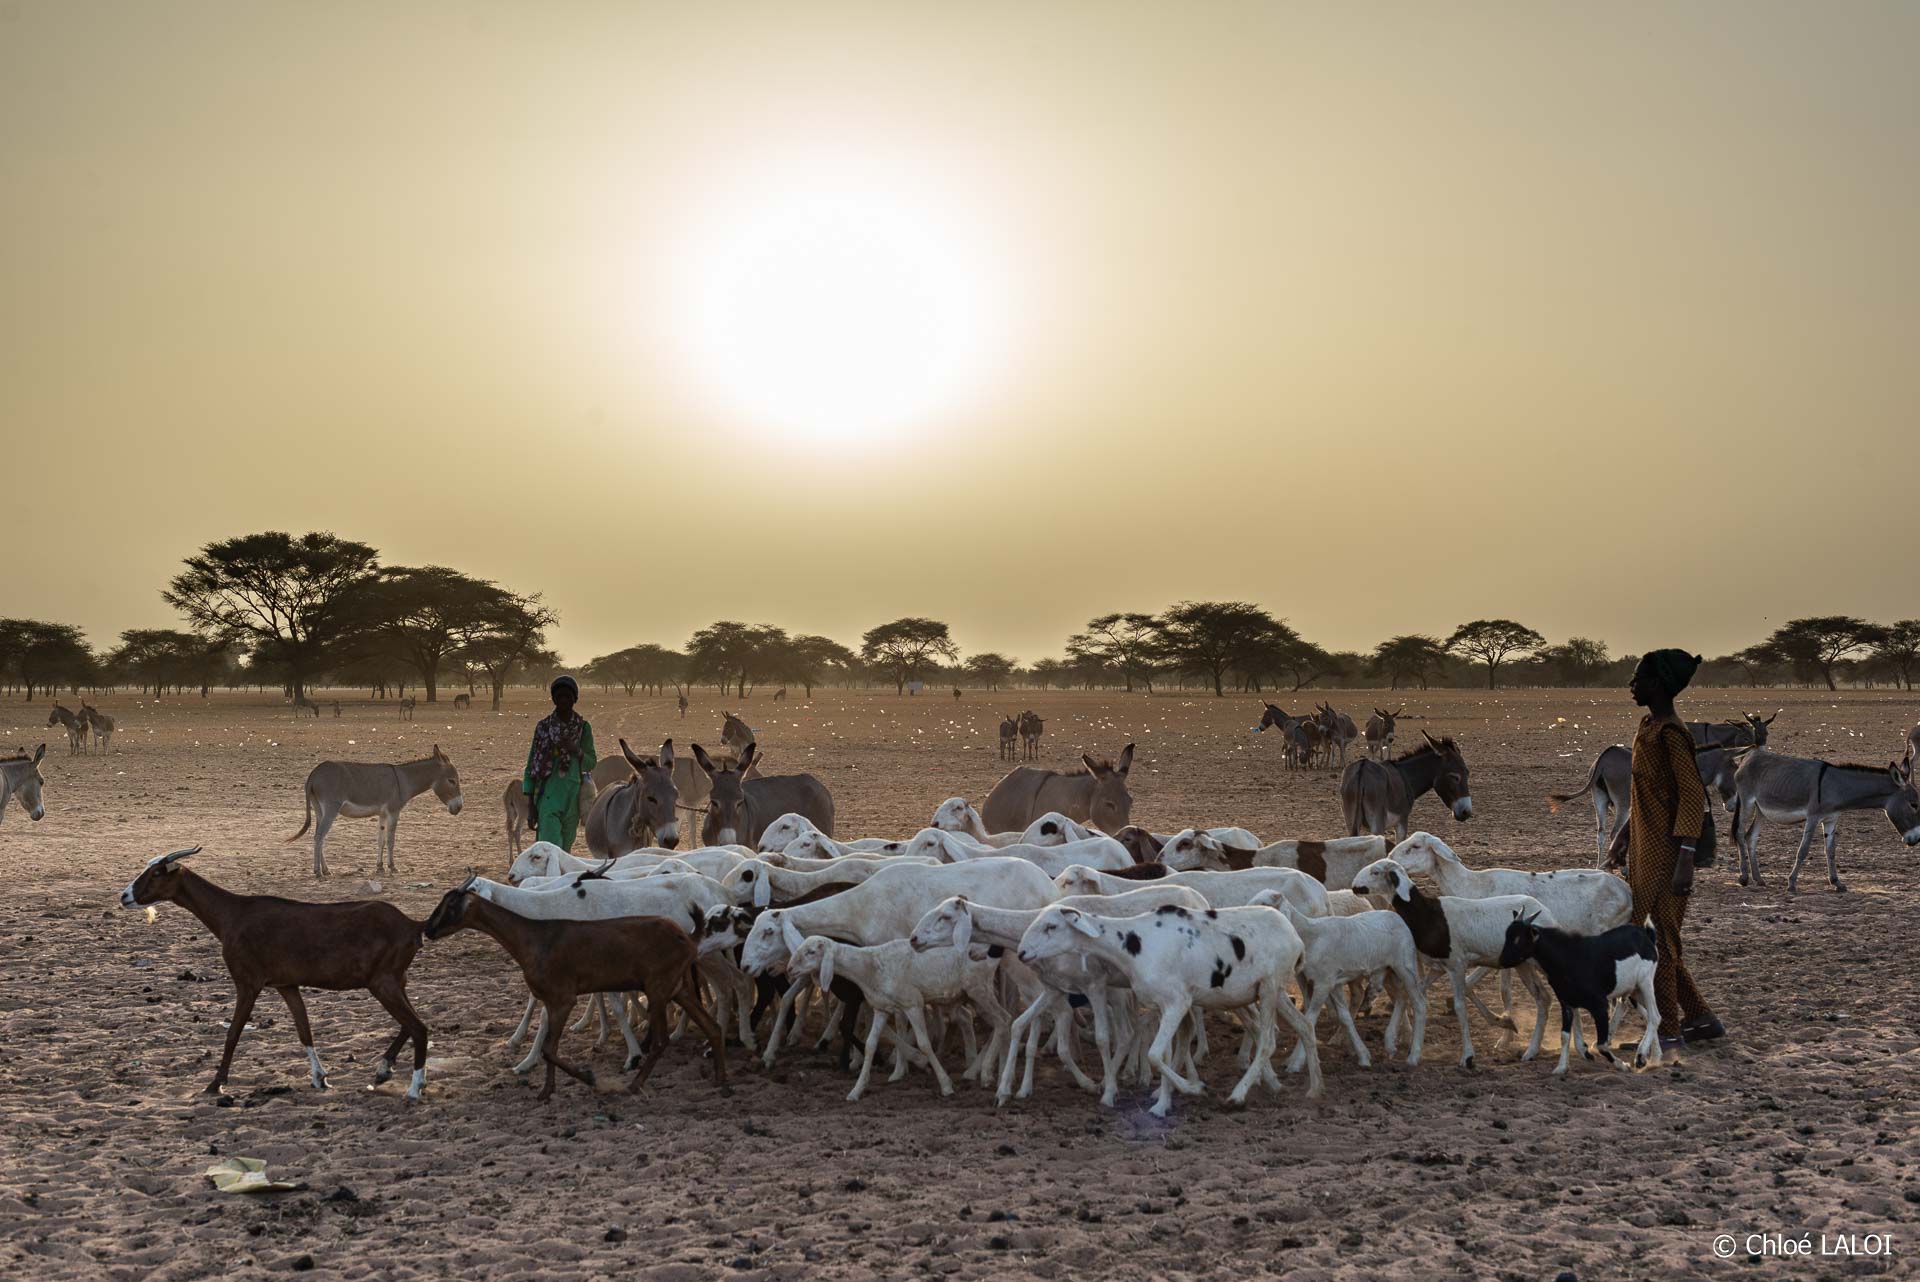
x,y
1555,800
308,792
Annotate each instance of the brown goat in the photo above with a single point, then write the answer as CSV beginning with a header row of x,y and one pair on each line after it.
x,y
564,960
287,945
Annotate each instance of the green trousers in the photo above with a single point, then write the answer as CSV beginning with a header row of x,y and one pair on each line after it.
x,y
559,813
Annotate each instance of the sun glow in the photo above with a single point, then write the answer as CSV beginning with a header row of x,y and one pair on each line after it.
x,y
840,311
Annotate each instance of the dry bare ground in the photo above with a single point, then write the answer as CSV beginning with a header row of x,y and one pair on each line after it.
x,y
110,1026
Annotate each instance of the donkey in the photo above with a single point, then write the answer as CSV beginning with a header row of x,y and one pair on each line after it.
x,y
20,776
643,811
407,705
1748,732
1340,731
364,790
1009,735
1610,780
740,808
303,705
1380,731
100,723
1031,728
1811,792
76,728
463,701
736,734
1096,794
1913,746
1378,795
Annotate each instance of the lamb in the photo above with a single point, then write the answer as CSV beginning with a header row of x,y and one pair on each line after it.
x,y
1459,934
1221,889
563,959
1587,972
899,981
1176,959
287,945
1340,950
958,923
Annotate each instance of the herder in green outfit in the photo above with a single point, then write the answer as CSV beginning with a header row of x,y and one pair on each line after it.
x,y
562,756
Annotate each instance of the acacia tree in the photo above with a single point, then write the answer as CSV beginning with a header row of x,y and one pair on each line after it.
x,y
728,653
1124,642
1408,658
1493,641
162,658
44,656
990,669
1814,645
1579,662
515,635
426,615
904,648
1898,649
1214,637
808,660
286,599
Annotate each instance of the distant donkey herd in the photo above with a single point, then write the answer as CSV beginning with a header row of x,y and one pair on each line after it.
x,y
635,801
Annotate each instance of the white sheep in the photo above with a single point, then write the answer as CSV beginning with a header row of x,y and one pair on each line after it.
x,y
1334,862
544,859
901,982
1459,934
1234,889
1176,960
790,827
1340,950
1096,851
959,923
757,881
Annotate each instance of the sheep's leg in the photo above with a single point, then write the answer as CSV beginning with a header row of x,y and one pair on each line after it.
x,y
1460,1011
1649,1052
1530,975
1346,1021
1315,1000
1026,1025
780,1021
1411,995
534,1052
872,1053
988,1007
291,996
1159,1055
556,1018
1475,978
689,999
1263,1047
620,1009
1304,1031
917,1020
1102,1041
526,1019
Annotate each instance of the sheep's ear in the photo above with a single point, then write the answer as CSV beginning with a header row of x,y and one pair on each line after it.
x,y
762,890
1403,887
963,929
1083,923
790,933
826,968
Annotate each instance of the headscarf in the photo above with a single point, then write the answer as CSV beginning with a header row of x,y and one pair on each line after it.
x,y
564,680
1673,669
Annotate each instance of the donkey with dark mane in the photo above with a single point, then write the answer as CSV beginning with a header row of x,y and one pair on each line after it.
x,y
740,806
1747,732
643,811
1812,793
1378,795
1610,780
1096,794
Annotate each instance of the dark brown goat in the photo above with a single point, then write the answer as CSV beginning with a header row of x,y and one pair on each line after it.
x,y
564,960
287,945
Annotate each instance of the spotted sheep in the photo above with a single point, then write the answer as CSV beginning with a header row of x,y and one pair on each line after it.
x,y
1176,960
1342,949
1459,934
958,922
1220,889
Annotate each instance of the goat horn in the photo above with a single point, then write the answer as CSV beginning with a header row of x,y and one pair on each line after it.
x,y
473,875
177,855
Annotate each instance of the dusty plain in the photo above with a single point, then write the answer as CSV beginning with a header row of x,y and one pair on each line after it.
x,y
1804,1120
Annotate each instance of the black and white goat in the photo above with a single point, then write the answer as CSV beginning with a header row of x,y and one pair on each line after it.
x,y
1586,973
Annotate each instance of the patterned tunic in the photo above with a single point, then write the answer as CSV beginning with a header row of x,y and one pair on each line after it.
x,y
1669,803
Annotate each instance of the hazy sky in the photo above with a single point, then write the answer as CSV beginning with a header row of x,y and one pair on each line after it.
x,y
1602,317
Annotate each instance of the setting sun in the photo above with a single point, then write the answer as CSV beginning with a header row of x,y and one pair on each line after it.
x,y
838,311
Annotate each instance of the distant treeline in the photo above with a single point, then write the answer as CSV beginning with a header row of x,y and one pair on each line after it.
x,y
278,611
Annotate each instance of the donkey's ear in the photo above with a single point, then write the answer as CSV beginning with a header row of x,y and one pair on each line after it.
x,y
746,757
666,754
38,753
1431,741
701,758
1093,767
1126,759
